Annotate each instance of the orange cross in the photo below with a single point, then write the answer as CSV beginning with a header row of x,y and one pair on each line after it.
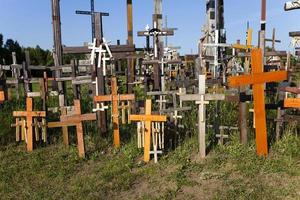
x,y
148,118
115,98
29,114
258,78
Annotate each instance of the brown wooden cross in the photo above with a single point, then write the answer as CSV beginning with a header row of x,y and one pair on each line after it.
x,y
115,98
29,114
258,78
75,119
147,119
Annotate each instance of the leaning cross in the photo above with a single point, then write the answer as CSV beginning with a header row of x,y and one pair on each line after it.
x,y
115,98
75,119
258,78
29,114
201,99
148,118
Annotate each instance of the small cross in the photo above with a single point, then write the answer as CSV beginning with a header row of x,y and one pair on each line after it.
x,y
30,115
147,118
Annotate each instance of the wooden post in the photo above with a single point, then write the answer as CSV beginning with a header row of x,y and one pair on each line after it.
x,y
115,98
130,61
29,114
148,118
257,79
76,88
58,56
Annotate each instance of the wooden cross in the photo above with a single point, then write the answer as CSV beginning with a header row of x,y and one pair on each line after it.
x,y
148,118
258,78
92,14
75,119
29,114
201,99
115,98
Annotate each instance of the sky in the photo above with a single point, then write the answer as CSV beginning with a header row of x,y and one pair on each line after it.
x,y
29,21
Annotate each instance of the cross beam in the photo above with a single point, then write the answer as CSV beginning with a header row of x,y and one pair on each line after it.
x,y
115,98
258,78
75,119
147,118
29,114
292,103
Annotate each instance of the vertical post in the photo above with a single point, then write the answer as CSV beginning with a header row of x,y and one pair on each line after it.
x,y
259,105
16,75
29,125
93,19
79,130
147,138
130,62
115,112
57,54
99,73
262,33
76,88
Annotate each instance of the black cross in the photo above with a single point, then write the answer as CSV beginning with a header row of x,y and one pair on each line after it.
x,y
92,13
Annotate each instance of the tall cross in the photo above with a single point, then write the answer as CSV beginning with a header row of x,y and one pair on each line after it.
x,y
202,99
29,114
258,78
115,98
148,118
92,14
273,40
76,118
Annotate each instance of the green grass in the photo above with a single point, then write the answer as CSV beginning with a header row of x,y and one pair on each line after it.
x,y
232,171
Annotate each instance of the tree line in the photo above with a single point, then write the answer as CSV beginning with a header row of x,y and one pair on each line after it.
x,y
38,56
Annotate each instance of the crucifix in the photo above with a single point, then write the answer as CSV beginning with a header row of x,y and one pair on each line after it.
x,y
92,14
201,100
29,114
75,118
115,98
148,118
258,78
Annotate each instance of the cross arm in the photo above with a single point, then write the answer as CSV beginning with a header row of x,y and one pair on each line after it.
x,y
29,114
197,97
78,118
152,118
103,98
292,103
259,78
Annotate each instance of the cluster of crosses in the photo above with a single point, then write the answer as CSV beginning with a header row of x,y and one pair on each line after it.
x,y
173,105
